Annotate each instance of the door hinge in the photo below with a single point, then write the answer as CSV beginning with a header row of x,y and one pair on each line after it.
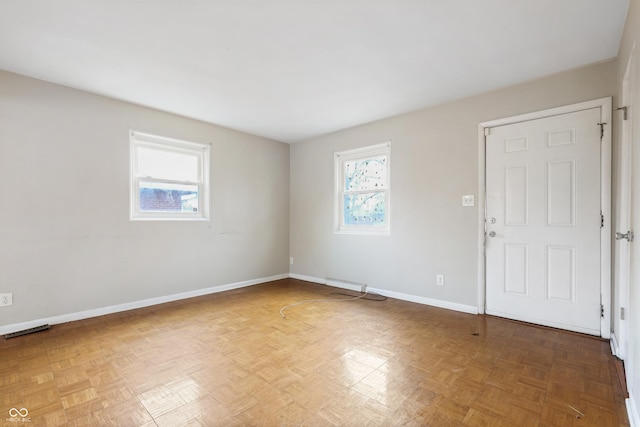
x,y
601,124
602,311
601,220
621,313
624,112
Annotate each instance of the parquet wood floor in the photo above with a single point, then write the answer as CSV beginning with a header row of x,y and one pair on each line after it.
x,y
229,359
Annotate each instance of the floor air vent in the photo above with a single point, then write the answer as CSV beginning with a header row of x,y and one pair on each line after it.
x,y
26,331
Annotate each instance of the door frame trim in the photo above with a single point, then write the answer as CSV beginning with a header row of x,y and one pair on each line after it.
x,y
624,184
605,198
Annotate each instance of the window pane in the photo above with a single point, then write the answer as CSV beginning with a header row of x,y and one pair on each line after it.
x,y
364,209
161,197
366,174
169,165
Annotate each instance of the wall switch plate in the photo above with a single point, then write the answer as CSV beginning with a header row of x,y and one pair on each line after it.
x,y
290,260
440,280
6,299
468,200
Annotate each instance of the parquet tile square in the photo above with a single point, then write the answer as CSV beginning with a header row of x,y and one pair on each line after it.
x,y
78,397
385,389
50,417
345,372
234,399
444,411
493,401
229,359
130,413
294,415
205,411
464,391
354,409
478,418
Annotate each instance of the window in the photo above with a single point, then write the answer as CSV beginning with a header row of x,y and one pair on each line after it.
x,y
362,190
169,178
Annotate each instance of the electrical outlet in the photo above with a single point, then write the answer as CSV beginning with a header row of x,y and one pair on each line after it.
x,y
440,280
6,299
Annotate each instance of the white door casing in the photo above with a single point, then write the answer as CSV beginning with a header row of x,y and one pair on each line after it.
x,y
547,179
622,274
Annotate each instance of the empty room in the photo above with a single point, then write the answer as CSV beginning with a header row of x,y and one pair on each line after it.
x,y
338,213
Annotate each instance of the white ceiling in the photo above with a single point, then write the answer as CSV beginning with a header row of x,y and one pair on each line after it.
x,y
293,69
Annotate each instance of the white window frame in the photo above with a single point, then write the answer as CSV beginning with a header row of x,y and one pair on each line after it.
x,y
201,151
340,158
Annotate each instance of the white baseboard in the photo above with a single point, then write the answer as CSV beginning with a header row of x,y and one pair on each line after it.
x,y
613,342
427,301
308,278
632,411
336,283
397,295
86,314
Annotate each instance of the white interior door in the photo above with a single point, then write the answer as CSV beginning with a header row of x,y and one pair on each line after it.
x,y
543,210
623,220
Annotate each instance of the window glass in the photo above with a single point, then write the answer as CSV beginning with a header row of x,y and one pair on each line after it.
x,y
167,164
363,190
166,197
364,209
366,174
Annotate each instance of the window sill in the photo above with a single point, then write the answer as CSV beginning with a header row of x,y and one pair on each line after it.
x,y
166,218
368,232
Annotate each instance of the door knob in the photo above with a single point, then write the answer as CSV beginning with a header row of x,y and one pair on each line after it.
x,y
492,234
628,235
491,220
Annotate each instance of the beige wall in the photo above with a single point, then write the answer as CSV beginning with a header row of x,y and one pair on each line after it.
x,y
630,38
67,242
434,161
